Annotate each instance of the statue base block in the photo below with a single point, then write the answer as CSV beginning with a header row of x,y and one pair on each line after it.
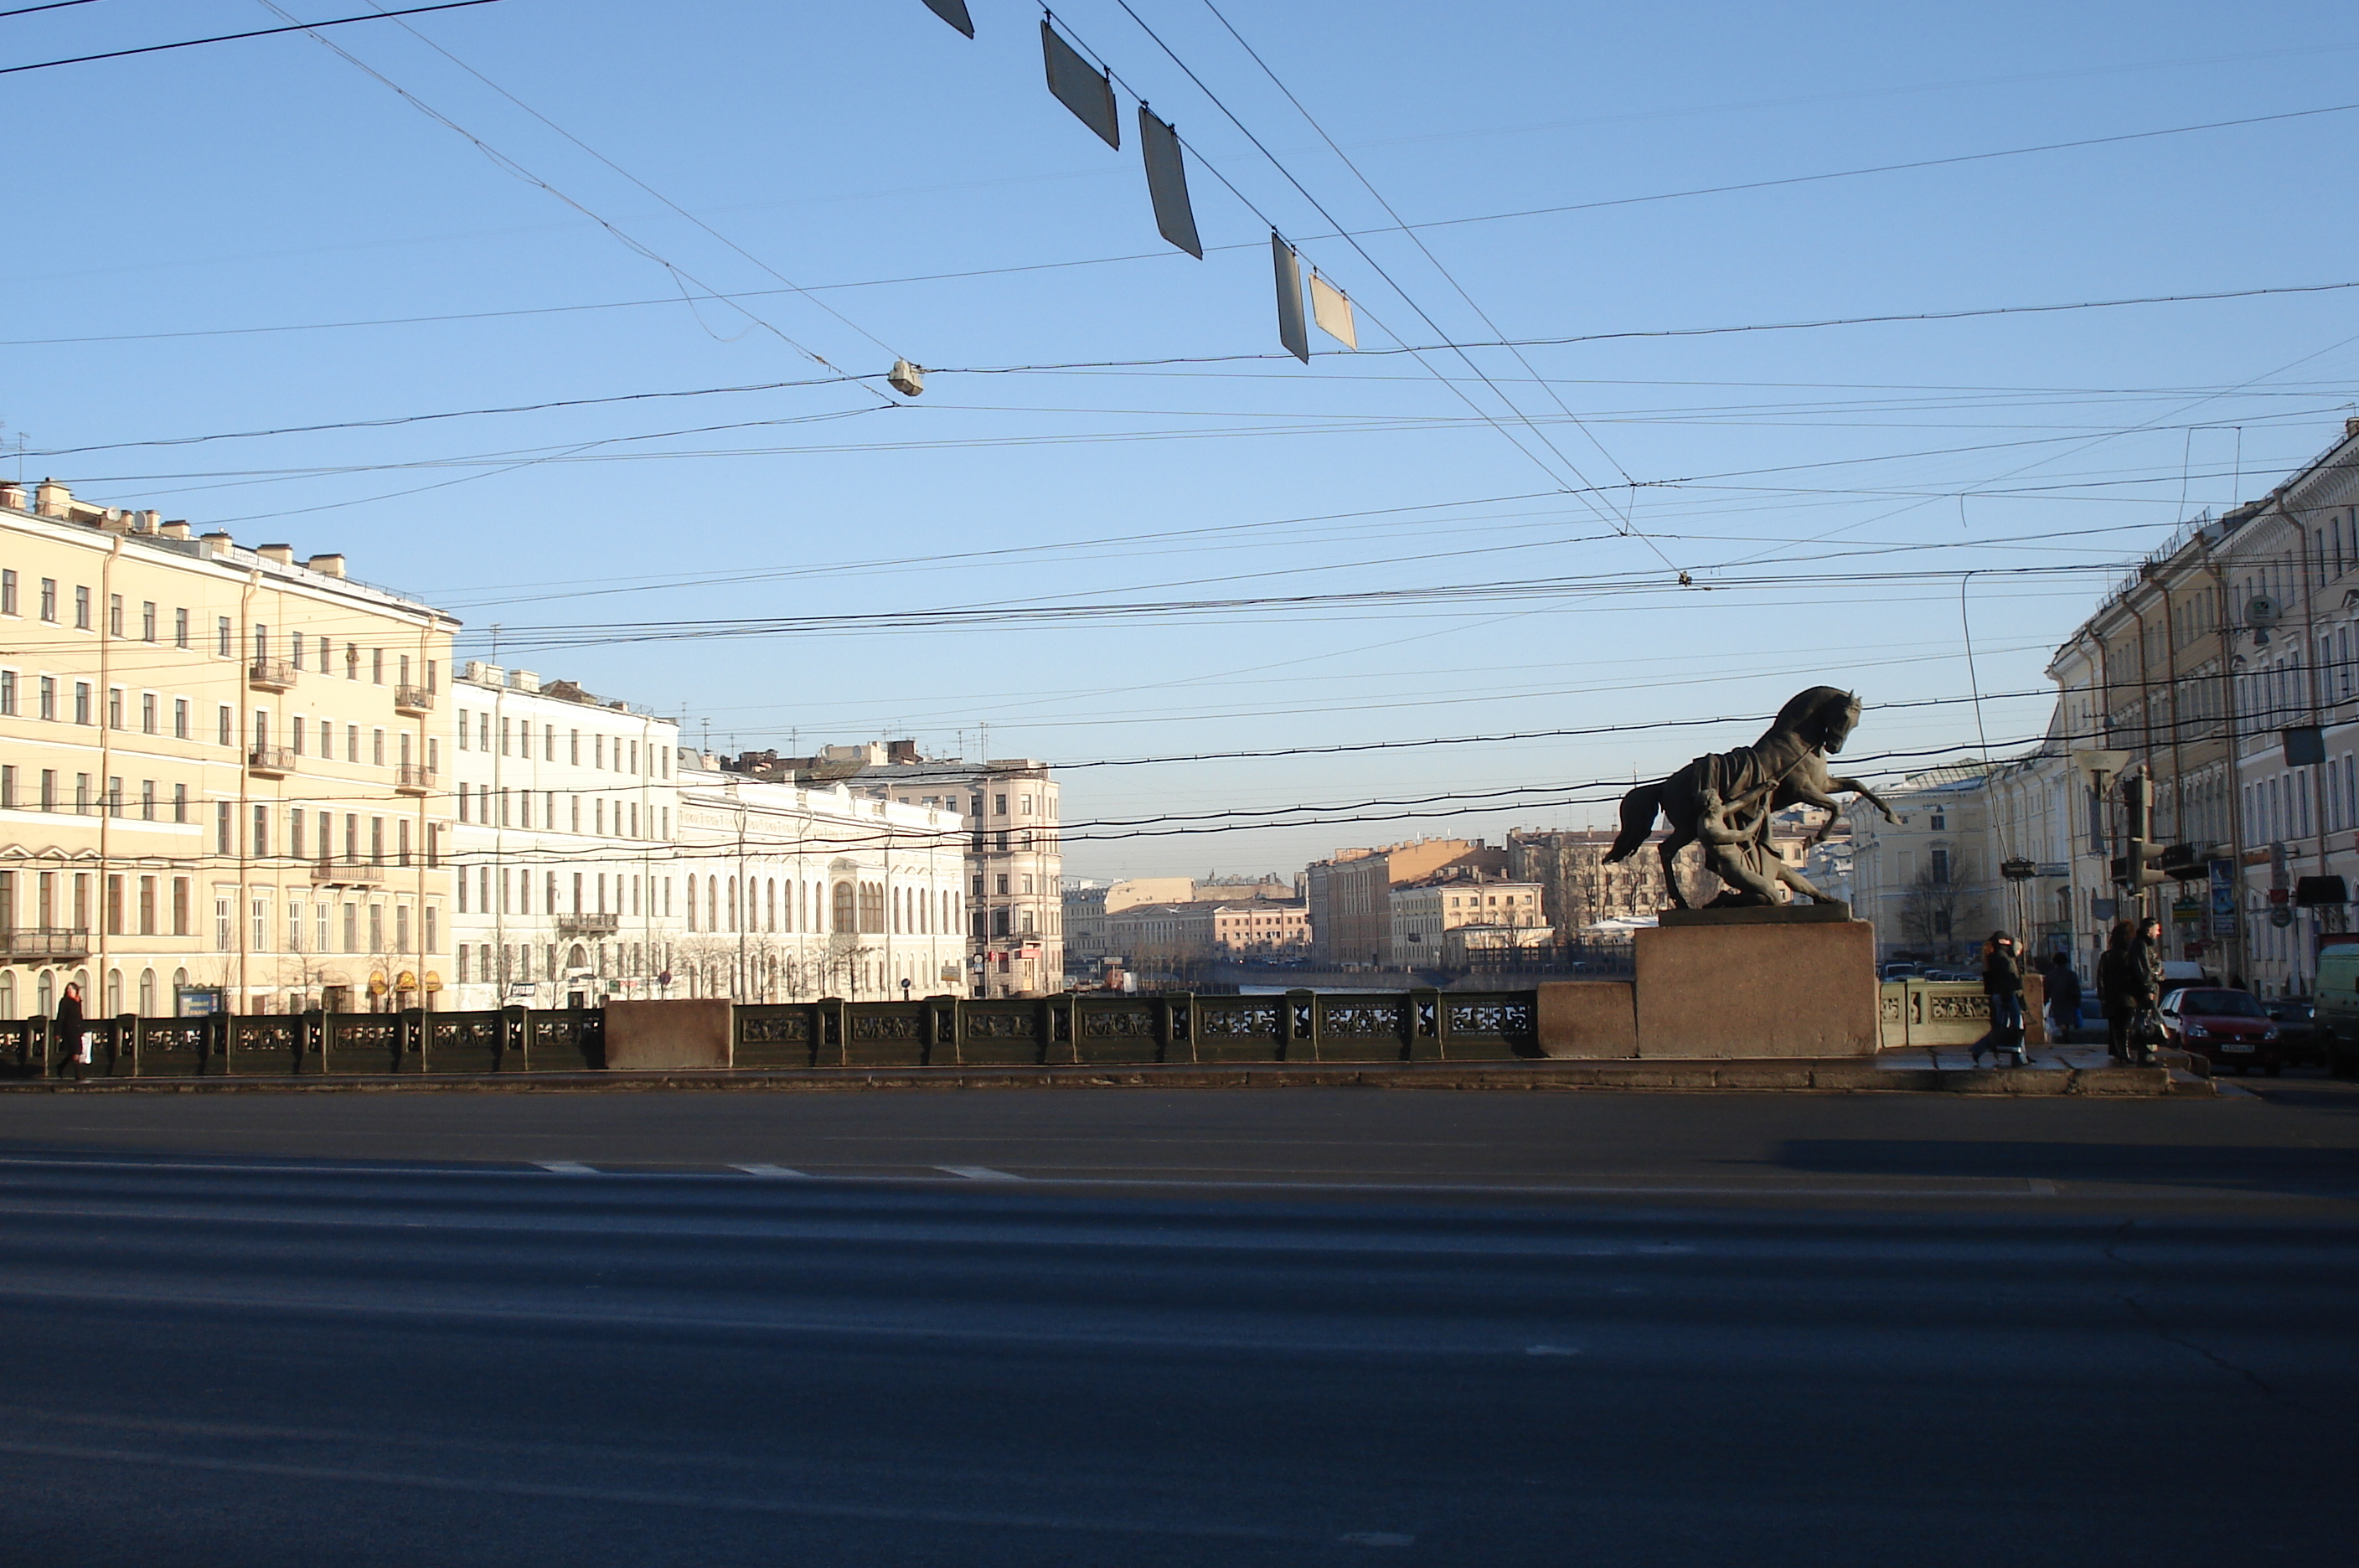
x,y
1759,915
1719,989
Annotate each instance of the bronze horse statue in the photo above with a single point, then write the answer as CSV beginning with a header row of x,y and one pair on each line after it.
x,y
1726,800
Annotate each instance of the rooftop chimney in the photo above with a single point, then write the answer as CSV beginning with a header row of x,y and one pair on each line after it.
x,y
177,528
277,554
51,499
901,751
2350,429
327,565
12,496
524,680
216,542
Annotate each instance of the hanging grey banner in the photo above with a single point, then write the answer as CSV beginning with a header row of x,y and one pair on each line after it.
x,y
1292,330
1087,92
954,13
1166,183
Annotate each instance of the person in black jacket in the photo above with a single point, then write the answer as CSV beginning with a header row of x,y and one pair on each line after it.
x,y
2063,998
2119,982
2003,982
71,1041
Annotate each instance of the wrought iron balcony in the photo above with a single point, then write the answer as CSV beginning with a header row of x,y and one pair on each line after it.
x,y
587,925
35,942
332,872
416,701
270,675
414,778
276,761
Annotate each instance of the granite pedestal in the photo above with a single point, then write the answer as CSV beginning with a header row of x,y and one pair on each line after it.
x,y
1793,981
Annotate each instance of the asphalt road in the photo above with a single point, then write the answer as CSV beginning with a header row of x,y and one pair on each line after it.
x,y
1131,1328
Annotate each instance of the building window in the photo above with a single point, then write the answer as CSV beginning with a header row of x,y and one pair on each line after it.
x,y
228,727
179,629
147,620
7,593
81,609
180,806
8,693
48,697
148,712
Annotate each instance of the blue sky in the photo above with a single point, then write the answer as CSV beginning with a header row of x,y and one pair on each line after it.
x,y
168,205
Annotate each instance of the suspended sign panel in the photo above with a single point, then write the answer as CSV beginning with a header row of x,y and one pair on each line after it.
x,y
1332,309
1292,330
1088,93
1166,183
954,13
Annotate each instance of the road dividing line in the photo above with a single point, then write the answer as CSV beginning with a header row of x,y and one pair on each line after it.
x,y
2041,1189
770,1170
978,1173
567,1167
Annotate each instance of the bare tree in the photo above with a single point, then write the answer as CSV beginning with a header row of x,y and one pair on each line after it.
x,y
1929,915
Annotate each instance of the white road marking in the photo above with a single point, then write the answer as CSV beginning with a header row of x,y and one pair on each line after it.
x,y
567,1167
623,1497
978,1173
769,1170
1380,1537
1551,1350
2042,1189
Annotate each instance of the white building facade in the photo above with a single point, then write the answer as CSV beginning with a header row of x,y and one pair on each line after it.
x,y
565,808
788,893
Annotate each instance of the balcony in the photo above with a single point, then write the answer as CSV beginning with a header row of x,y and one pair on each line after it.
x,y
333,872
270,675
413,702
414,778
271,761
39,943
589,925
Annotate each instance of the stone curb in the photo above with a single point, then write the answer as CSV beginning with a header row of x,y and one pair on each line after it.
x,y
1799,1075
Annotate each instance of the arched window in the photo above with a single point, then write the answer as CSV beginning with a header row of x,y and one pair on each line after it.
x,y
692,903
7,995
45,994
113,992
845,921
733,903
770,903
147,992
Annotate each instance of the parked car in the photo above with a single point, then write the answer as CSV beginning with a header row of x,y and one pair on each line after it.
x,y
2297,1029
2338,1006
2227,1029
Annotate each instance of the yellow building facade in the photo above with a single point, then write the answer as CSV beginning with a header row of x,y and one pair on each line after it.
x,y
220,778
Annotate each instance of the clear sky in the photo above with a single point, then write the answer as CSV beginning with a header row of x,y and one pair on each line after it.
x,y
259,234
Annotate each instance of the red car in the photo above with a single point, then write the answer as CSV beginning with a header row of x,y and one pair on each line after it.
x,y
2227,1029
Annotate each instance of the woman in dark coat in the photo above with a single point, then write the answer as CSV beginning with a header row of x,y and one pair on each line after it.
x,y
69,1030
2003,982
2125,985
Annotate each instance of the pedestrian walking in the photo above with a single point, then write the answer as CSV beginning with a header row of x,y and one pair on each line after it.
x,y
2063,998
74,1043
2003,983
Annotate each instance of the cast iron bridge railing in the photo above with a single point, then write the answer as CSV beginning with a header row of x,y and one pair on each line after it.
x,y
1085,1029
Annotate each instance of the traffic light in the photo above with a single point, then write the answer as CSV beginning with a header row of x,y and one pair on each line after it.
x,y
2139,868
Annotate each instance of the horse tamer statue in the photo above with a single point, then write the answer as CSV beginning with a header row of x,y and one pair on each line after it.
x,y
1726,800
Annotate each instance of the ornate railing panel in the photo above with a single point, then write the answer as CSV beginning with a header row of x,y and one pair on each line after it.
x,y
777,1035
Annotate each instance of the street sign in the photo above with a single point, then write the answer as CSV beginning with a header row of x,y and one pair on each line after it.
x,y
2055,869
521,990
2281,915
2223,899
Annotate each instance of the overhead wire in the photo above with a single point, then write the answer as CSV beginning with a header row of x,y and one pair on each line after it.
x,y
1582,487
380,16
680,276
650,190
